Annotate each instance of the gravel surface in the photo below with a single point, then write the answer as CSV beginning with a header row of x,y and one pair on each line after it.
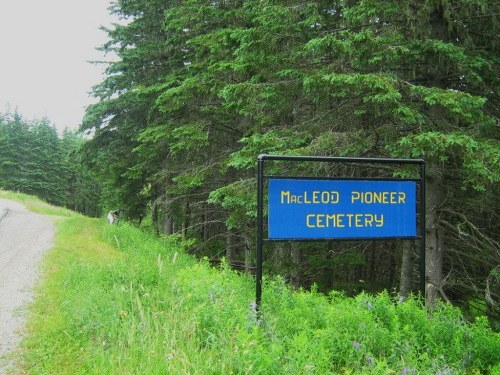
x,y
24,236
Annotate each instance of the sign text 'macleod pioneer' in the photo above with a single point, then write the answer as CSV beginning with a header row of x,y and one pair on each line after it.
x,y
323,209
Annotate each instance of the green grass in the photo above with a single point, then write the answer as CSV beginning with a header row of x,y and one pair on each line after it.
x,y
67,283
35,204
114,300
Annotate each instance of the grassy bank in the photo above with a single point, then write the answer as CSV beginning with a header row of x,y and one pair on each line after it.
x,y
35,204
114,300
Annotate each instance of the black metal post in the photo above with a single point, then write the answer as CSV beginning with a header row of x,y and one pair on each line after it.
x,y
422,228
260,232
338,159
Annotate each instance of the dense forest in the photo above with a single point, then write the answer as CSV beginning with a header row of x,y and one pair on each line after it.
x,y
34,159
201,88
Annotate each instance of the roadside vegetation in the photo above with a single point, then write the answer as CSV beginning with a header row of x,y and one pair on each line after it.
x,y
35,204
36,160
116,300
198,89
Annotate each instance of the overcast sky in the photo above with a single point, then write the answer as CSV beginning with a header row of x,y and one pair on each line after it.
x,y
45,47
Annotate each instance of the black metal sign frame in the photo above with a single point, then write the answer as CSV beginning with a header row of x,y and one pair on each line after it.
x,y
345,160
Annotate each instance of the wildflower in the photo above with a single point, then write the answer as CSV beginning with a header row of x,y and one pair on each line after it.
x,y
356,344
170,356
407,370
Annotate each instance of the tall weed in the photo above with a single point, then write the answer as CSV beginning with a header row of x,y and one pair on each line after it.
x,y
125,302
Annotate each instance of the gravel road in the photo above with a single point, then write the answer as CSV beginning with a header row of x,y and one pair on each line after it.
x,y
24,236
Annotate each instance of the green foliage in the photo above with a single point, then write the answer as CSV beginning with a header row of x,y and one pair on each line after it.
x,y
188,137
239,199
274,141
35,160
479,159
378,88
117,300
201,88
189,179
462,105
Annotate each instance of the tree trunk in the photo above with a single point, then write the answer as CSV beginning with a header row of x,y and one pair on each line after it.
x,y
406,280
154,215
248,255
391,282
279,256
434,237
295,278
168,224
185,221
204,225
370,268
230,246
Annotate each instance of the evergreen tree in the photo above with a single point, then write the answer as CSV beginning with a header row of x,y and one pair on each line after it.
x,y
203,87
14,151
82,188
44,166
34,160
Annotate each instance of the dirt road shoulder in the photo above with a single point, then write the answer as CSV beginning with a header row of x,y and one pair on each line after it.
x,y
24,237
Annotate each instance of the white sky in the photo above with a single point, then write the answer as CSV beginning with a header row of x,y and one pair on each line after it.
x,y
45,46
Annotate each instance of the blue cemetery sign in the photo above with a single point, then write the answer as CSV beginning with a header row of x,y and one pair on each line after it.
x,y
302,209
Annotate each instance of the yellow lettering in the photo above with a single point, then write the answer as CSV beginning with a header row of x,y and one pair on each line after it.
x,y
358,217
379,221
331,219
372,197
339,221
325,197
344,220
335,196
368,220
285,195
308,221
385,197
349,219
306,200
320,221
401,197
393,197
315,196
355,196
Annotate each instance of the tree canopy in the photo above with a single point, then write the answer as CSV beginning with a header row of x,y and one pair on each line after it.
x,y
201,88
35,160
